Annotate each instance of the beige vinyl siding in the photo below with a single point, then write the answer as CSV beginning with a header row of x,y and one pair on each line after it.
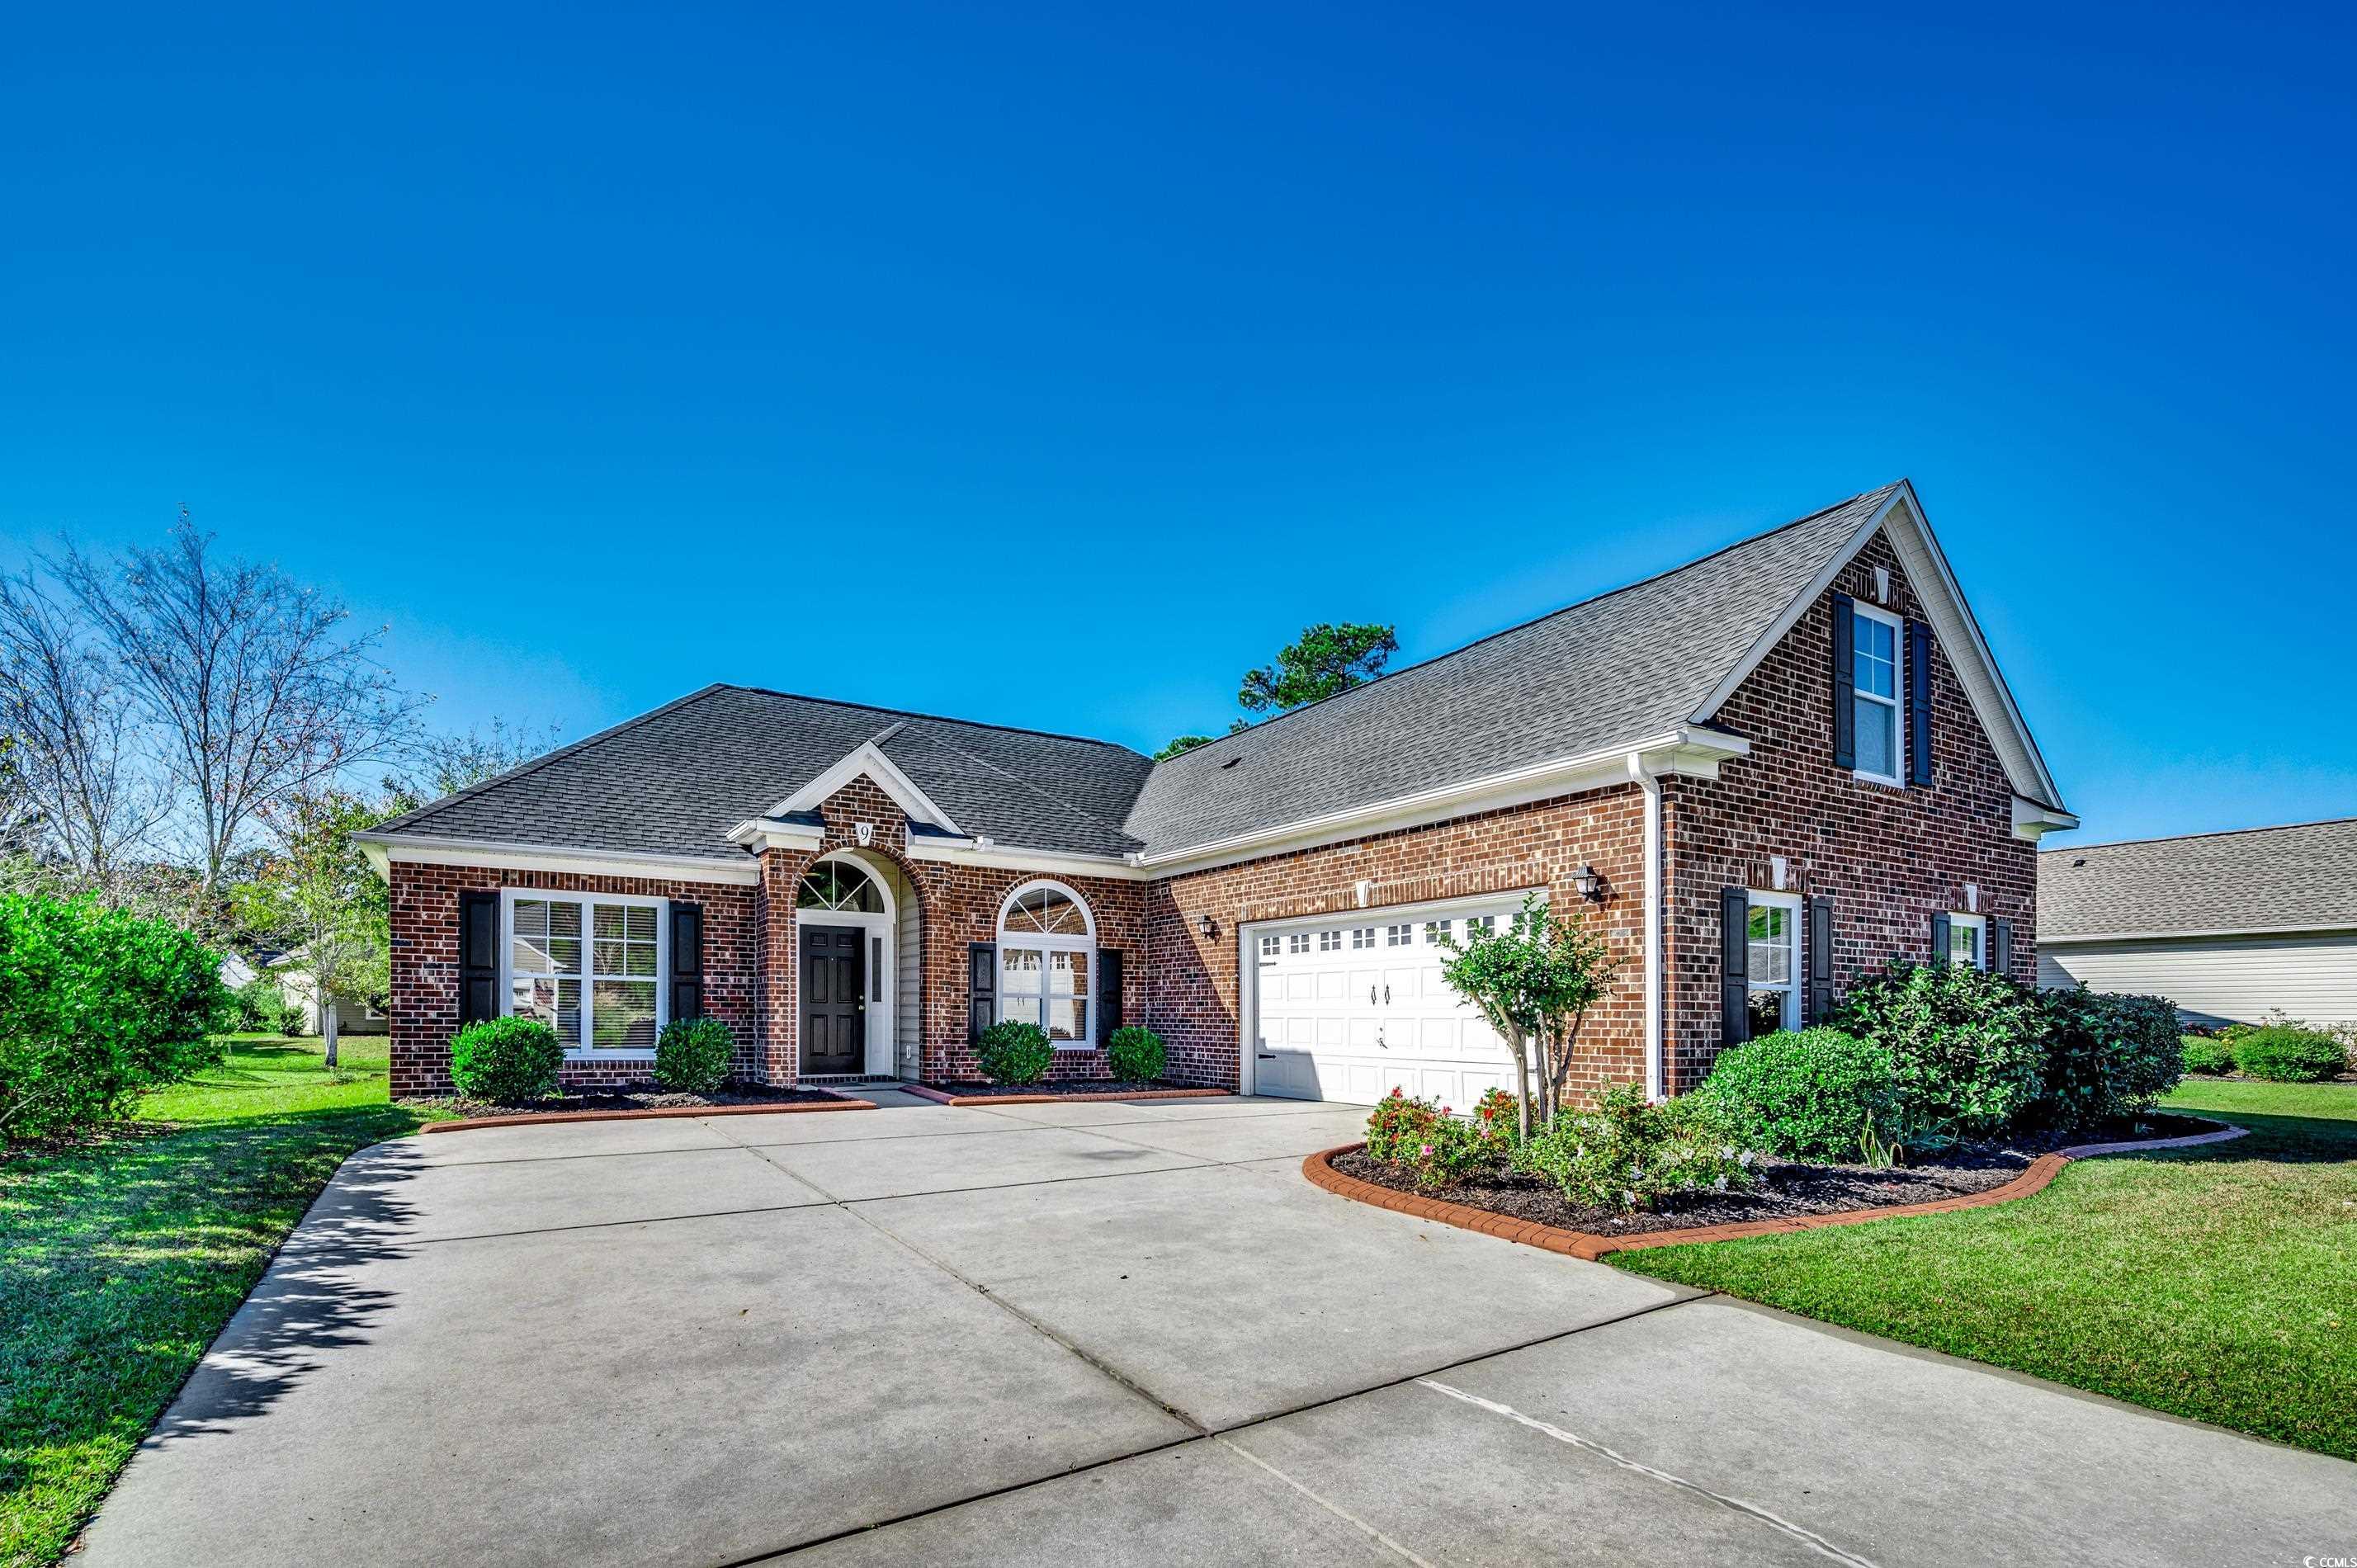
x,y
2312,976
908,969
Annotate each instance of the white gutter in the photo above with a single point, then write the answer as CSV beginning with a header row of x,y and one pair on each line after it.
x,y
1653,788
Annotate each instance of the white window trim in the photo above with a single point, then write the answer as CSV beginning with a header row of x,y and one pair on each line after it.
x,y
1897,779
1045,943
1790,903
584,1051
1977,924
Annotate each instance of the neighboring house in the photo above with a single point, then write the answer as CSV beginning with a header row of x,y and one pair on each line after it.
x,y
235,971
1759,775
2230,927
354,1015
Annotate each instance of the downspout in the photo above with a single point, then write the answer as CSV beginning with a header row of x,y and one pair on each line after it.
x,y
1653,788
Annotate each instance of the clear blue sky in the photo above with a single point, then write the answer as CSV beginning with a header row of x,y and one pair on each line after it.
x,y
1052,365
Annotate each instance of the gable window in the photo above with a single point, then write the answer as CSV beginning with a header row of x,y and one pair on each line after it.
x,y
589,967
1772,962
1968,940
1047,960
1877,673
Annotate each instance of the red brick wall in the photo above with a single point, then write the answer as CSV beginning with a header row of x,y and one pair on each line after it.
x,y
425,930
1890,857
1193,1003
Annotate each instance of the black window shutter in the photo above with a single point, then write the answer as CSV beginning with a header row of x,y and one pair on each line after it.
x,y
686,961
1733,975
1844,682
1821,958
479,957
981,989
1939,939
1108,994
1918,702
2001,946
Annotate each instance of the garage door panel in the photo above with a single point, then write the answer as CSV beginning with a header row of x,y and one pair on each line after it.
x,y
1361,1016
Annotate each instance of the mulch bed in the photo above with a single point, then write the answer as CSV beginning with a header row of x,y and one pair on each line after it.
x,y
627,1100
1102,1087
1785,1189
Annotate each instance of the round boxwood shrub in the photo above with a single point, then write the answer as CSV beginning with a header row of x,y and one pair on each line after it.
x,y
693,1055
1812,1095
507,1061
2204,1054
1013,1051
2289,1054
1135,1054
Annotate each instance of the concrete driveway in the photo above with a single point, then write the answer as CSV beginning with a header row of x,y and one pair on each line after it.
x,y
1090,1333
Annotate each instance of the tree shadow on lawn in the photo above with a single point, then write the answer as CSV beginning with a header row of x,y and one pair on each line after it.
x,y
2285,1139
313,1300
120,1261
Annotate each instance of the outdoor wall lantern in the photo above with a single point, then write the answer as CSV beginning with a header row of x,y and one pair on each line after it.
x,y
1208,926
1588,884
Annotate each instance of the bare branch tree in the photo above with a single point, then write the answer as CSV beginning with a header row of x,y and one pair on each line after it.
x,y
254,685
448,763
73,731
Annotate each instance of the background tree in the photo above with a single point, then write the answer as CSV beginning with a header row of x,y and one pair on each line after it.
x,y
444,765
318,896
1326,661
1534,981
72,743
255,688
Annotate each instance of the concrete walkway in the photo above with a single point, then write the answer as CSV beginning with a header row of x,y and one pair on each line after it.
x,y
1089,1333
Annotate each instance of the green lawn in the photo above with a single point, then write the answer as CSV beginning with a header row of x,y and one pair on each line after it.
x,y
2216,1283
120,1261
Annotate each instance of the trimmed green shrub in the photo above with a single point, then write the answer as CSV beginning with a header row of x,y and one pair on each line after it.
x,y
1135,1054
1013,1051
97,1005
508,1061
1631,1152
1817,1094
293,1019
693,1055
2289,1054
2208,1056
2107,1054
1967,1048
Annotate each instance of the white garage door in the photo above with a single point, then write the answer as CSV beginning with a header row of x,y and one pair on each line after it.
x,y
1352,1007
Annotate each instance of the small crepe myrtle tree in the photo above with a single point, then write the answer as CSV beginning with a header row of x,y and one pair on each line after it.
x,y
1534,981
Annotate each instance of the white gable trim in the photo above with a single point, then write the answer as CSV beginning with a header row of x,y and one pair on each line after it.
x,y
381,849
869,759
1901,516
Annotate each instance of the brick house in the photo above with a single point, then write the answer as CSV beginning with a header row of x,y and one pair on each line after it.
x,y
1759,774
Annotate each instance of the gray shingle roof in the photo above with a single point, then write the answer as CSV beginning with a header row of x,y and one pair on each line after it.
x,y
1624,665
1620,666
2297,877
675,780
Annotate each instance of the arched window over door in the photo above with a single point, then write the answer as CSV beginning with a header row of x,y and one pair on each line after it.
x,y
834,884
1048,961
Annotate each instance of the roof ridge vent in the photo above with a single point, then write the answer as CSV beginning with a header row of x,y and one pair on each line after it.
x,y
888,732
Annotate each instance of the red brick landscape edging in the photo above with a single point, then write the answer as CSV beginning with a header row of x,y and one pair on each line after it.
x,y
1319,1167
940,1097
654,1113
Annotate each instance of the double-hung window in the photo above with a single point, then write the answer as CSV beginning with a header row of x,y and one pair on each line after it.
x,y
1877,670
1968,941
589,967
1772,962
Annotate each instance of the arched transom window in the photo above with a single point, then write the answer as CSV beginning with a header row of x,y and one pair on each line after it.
x,y
832,885
1047,957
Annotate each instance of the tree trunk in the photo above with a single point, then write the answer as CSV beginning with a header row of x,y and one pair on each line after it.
x,y
327,1024
1521,1047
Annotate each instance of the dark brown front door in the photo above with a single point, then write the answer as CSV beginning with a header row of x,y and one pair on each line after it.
x,y
834,1017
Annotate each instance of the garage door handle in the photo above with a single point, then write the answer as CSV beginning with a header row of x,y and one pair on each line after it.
x,y
1387,996
1370,996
